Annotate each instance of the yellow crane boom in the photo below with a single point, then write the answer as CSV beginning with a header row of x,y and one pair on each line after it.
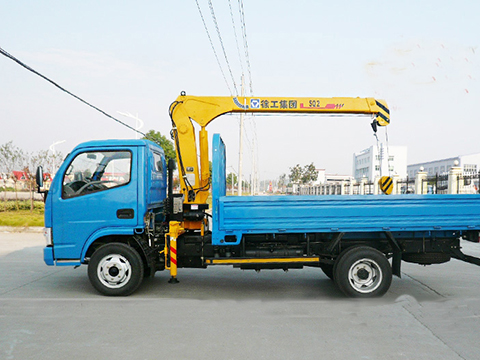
x,y
194,179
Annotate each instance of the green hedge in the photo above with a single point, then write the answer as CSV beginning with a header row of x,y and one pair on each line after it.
x,y
22,205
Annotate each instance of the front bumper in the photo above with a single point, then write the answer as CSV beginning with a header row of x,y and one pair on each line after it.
x,y
48,255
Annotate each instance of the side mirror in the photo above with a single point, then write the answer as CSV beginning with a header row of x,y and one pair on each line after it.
x,y
39,178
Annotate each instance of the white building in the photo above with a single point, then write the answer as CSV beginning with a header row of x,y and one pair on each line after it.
x,y
324,178
470,165
380,161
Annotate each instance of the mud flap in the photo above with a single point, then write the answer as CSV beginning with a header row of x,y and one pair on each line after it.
x,y
397,254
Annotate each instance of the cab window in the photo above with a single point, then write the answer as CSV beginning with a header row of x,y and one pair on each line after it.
x,y
157,159
96,171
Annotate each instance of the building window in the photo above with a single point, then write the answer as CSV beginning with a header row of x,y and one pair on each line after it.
x,y
470,168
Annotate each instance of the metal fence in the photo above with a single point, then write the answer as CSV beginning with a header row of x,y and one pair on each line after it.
x,y
468,184
437,184
369,188
405,186
452,183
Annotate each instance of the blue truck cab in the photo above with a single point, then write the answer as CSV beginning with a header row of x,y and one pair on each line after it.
x,y
103,190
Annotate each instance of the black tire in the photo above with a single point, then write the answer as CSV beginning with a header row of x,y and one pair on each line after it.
x,y
115,269
363,272
337,260
327,270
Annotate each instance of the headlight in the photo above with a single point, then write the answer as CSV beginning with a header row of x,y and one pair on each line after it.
x,y
47,232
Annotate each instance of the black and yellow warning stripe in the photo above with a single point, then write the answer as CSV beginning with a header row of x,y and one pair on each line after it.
x,y
386,184
383,116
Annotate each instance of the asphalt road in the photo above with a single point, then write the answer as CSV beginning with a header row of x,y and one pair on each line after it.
x,y
223,313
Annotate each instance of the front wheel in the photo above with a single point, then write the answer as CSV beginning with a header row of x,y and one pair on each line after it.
x,y
115,269
363,272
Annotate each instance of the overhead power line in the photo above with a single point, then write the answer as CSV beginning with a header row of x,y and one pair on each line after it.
x,y
247,60
221,44
244,62
245,43
3,52
213,48
235,34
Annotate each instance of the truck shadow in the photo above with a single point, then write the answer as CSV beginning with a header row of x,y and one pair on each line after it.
x,y
225,283
232,284
25,275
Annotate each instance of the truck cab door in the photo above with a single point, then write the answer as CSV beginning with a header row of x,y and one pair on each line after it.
x,y
98,192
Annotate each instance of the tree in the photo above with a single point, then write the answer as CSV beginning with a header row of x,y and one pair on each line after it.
x,y
303,175
51,161
296,174
30,163
282,182
231,181
166,144
310,174
11,158
210,170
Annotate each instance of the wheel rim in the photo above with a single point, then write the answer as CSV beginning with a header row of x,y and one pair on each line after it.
x,y
114,271
365,276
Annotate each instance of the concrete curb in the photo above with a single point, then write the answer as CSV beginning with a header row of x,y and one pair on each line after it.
x,y
20,229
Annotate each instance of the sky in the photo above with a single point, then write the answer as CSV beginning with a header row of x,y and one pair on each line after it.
x,y
422,57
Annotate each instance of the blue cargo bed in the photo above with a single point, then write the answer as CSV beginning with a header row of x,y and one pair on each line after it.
x,y
235,216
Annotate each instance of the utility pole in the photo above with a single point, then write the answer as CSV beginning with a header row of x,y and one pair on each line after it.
x,y
240,152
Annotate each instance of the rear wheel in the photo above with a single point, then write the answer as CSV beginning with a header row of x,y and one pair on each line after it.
x,y
363,271
116,269
335,265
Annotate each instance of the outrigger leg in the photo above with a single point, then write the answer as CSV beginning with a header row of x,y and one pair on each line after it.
x,y
171,249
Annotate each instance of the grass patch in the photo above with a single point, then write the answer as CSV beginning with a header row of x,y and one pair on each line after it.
x,y
21,218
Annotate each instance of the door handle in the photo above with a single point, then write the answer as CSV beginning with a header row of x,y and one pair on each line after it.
x,y
125,213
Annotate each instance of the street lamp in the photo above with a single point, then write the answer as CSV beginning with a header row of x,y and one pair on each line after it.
x,y
138,122
52,149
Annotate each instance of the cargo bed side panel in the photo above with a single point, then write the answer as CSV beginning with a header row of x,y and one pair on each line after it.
x,y
234,216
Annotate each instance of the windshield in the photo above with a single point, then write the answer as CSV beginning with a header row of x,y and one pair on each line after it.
x,y
96,171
